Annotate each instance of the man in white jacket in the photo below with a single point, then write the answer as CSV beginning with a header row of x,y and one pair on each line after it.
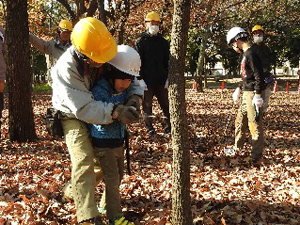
x,y
73,76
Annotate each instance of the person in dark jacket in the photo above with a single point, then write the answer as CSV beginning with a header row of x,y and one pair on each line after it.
x,y
253,86
264,53
154,53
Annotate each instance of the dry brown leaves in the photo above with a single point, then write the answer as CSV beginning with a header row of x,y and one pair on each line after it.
x,y
223,190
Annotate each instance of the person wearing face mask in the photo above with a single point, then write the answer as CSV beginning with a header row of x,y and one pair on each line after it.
x,y
264,53
154,52
253,86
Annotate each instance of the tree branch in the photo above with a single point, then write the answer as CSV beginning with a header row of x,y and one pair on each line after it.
x,y
68,8
92,8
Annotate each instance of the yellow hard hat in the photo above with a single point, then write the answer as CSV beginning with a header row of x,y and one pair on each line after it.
x,y
257,27
65,24
91,38
152,16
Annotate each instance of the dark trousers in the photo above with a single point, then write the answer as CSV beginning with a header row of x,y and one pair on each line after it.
x,y
1,108
162,97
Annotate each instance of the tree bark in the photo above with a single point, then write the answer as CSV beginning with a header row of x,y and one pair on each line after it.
x,y
21,121
181,200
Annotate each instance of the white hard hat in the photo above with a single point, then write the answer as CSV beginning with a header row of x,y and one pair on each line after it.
x,y
235,33
127,60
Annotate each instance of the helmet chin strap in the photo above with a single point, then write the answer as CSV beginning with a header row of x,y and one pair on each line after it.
x,y
241,50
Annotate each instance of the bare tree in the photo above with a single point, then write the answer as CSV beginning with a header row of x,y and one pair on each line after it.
x,y
181,200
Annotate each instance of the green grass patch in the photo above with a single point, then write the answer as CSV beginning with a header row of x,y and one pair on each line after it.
x,y
41,87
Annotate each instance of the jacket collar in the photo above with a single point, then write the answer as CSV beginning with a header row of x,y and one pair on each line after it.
x,y
59,45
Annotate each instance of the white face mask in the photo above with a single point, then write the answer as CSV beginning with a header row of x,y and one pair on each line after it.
x,y
153,29
258,39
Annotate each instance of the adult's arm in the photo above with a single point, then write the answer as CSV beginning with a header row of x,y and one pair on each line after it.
x,y
167,55
40,44
71,94
257,69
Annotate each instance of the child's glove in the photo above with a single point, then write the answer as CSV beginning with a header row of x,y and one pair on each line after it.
x,y
143,85
126,114
257,101
236,95
135,101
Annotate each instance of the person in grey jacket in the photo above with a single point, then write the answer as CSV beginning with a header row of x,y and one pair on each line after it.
x,y
73,77
54,48
2,72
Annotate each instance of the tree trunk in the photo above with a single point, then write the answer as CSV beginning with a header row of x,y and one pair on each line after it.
x,y
181,200
201,65
21,122
205,71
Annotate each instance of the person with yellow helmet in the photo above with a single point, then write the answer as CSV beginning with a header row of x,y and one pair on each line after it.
x,y
154,51
54,48
264,53
74,74
253,86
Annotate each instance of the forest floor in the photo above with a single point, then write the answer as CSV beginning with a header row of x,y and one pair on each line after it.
x,y
224,190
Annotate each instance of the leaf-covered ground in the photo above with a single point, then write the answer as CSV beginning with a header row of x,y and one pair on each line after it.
x,y
224,190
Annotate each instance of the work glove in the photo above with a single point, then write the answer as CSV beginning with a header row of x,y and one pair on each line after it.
x,y
135,101
126,114
236,95
166,84
257,101
143,85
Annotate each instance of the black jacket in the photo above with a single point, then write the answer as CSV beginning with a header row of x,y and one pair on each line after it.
x,y
154,53
264,55
252,72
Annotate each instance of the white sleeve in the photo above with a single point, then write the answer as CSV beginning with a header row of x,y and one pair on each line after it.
x,y
71,94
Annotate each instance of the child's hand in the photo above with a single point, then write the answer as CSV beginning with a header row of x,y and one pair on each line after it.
x,y
135,101
126,114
